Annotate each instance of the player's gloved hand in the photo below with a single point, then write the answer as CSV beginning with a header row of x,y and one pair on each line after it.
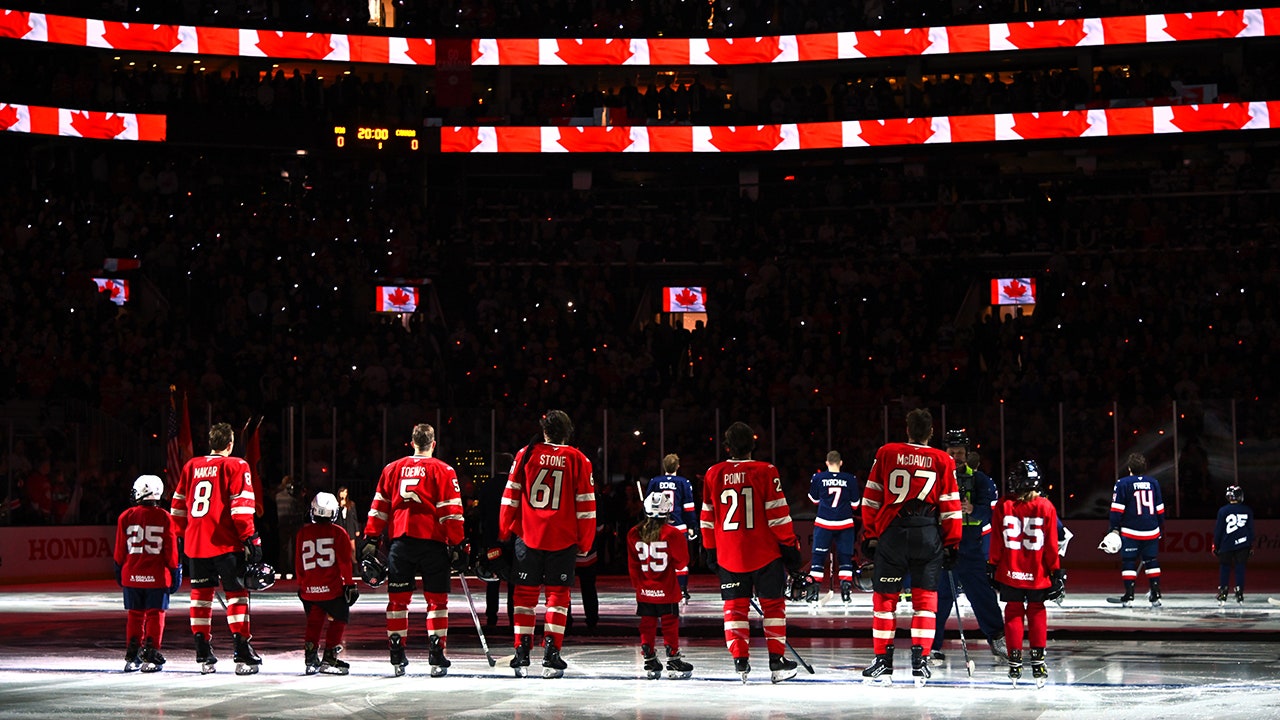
x,y
709,554
253,549
1058,585
459,557
368,547
869,548
119,575
791,558
350,593
991,577
693,535
950,554
176,581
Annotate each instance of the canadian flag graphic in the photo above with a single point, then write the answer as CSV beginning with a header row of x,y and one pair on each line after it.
x,y
684,299
1013,291
114,288
397,299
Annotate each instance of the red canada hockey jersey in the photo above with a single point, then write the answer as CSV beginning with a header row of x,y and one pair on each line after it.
x,y
420,497
551,503
322,559
653,565
146,547
1024,542
903,472
745,515
213,505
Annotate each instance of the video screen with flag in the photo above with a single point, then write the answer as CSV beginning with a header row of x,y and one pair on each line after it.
x,y
397,299
684,299
117,289
1013,291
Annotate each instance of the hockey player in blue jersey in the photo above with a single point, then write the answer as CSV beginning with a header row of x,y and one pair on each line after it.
x,y
684,514
1137,516
1233,542
838,498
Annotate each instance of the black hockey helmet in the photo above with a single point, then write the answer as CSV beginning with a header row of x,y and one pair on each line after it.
x,y
373,570
1024,476
1235,494
958,438
259,576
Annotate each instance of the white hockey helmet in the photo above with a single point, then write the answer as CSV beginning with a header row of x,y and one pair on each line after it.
x,y
324,506
658,504
1110,543
148,487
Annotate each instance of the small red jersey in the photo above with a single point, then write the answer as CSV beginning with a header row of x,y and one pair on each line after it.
x,y
1024,541
322,559
213,505
420,497
550,499
146,547
745,515
906,472
653,565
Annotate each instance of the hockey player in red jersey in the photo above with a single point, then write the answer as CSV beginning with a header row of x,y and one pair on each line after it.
x,y
147,567
656,550
325,584
213,505
911,522
751,545
419,503
1024,565
549,505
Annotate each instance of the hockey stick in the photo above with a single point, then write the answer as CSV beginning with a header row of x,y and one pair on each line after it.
x,y
806,665
955,596
471,605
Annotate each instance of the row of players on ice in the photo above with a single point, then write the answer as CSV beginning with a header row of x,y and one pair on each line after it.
x,y
911,510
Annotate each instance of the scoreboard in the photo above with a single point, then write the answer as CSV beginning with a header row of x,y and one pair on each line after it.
x,y
376,138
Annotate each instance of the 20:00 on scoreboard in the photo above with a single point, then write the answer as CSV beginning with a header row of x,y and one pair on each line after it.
x,y
377,138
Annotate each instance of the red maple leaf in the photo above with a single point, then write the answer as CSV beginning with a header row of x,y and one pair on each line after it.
x,y
728,138
1062,33
294,45
14,24
1216,116
595,139
8,117
1065,124
742,51
422,52
103,126
901,131
109,288
594,51
1204,25
891,43
139,36
686,297
399,297
459,139
1014,289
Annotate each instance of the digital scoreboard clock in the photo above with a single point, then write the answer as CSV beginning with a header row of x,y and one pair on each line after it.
x,y
376,138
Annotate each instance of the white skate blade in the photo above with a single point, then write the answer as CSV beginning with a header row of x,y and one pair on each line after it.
x,y
777,676
398,670
882,680
208,668
330,670
151,667
439,671
1040,682
679,674
246,669
1273,601
652,674
552,673
313,669
744,677
920,680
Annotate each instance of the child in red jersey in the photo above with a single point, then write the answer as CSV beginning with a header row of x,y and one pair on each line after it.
x,y
147,567
656,549
325,586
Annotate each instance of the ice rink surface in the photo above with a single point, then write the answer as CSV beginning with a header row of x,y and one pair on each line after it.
x,y
61,656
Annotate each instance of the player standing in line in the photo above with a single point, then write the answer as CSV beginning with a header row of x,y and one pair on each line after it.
x,y
751,545
213,505
1137,515
325,584
684,513
549,505
419,503
147,567
911,524
838,499
977,494
1233,542
1025,566
655,549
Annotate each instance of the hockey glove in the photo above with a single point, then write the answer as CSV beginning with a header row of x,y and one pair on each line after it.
x,y
991,577
119,576
253,549
1058,586
459,557
950,554
368,547
709,554
791,558
350,593
693,535
869,548
176,582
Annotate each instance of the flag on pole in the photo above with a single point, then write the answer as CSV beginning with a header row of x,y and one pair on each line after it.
x,y
178,448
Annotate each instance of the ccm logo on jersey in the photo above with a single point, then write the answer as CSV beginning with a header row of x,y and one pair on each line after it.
x,y
889,579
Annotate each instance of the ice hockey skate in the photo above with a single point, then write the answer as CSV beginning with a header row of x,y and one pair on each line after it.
x,y
553,665
520,661
435,656
1154,596
399,662
311,658
781,668
1015,666
1222,595
999,649
152,660
1240,595
331,665
880,671
652,666
1039,670
920,673
247,661
677,668
811,596
132,661
742,667
204,654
